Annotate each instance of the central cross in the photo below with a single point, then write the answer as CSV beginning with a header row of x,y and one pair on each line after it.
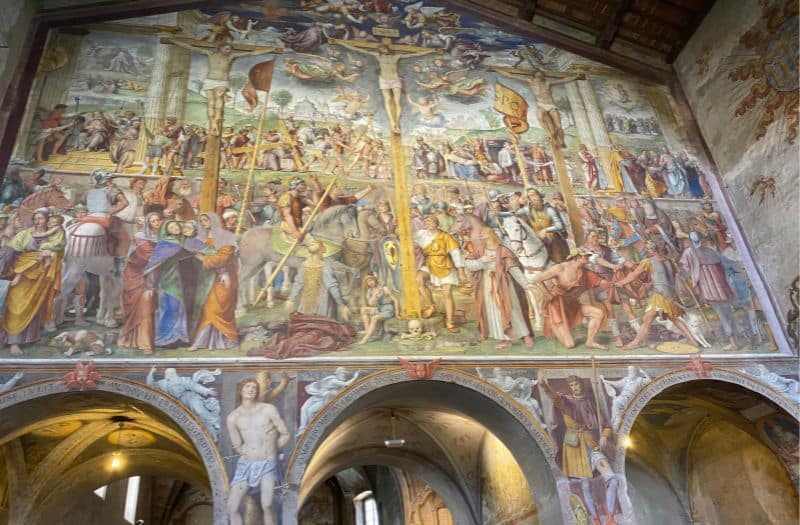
x,y
388,55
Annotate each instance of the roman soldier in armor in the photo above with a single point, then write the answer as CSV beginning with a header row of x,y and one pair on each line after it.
x,y
546,222
104,201
291,205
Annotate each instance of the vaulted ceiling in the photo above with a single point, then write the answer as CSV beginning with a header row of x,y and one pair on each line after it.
x,y
55,447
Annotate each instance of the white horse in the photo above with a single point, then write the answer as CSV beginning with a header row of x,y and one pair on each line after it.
x,y
86,252
531,252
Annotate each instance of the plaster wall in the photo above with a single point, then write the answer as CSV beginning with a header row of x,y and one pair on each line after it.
x,y
388,495
16,16
736,479
505,496
711,69
652,497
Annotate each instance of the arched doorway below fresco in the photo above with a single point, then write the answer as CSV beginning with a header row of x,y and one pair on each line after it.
x,y
374,495
447,446
715,453
98,458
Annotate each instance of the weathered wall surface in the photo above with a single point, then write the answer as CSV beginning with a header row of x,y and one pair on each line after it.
x,y
739,72
16,15
733,478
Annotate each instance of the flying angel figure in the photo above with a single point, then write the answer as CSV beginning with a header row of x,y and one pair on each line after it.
x,y
419,16
532,55
762,189
455,83
226,27
319,69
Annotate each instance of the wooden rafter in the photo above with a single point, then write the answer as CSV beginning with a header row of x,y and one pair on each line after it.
x,y
609,30
688,31
527,10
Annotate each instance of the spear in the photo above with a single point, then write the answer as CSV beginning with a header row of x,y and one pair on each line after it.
x,y
251,172
297,241
260,77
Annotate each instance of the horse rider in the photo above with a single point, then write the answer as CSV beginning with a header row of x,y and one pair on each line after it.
x,y
104,201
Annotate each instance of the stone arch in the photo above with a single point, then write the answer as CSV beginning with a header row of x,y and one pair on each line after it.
x,y
171,407
676,377
551,494
431,474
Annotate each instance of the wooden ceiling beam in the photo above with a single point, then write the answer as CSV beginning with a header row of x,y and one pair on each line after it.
x,y
527,10
609,31
566,20
688,31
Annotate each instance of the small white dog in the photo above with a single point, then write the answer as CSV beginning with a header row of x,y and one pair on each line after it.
x,y
82,341
695,323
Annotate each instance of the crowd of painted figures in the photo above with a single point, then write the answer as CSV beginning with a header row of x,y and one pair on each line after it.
x,y
514,252
337,147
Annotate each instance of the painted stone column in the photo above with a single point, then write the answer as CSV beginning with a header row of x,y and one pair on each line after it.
x,y
594,114
178,82
582,124
180,63
155,103
56,84
670,129
598,125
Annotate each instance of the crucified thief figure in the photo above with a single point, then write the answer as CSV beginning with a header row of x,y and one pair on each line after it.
x,y
388,56
217,82
541,85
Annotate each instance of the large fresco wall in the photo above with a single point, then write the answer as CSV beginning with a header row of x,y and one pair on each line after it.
x,y
425,182
739,72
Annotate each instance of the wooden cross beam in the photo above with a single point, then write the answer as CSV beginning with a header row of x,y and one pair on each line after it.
x,y
609,31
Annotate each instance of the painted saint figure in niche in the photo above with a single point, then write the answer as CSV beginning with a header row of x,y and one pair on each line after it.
x,y
257,432
586,436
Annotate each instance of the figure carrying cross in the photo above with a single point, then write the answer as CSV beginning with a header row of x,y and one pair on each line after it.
x,y
388,56
541,85
217,82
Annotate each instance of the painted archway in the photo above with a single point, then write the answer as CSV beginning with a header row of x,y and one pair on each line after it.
x,y
677,377
166,404
468,394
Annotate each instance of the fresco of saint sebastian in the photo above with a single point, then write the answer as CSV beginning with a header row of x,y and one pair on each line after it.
x,y
388,56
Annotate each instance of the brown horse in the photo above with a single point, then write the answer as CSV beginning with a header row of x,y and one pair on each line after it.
x,y
51,197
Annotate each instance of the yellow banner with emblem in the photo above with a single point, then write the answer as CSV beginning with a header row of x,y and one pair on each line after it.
x,y
513,107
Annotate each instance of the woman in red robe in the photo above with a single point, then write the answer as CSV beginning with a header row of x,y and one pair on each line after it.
x,y
138,299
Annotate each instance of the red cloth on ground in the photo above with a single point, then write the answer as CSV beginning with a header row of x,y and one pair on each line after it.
x,y
306,335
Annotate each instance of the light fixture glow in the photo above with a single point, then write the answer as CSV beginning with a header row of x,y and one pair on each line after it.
x,y
116,461
627,442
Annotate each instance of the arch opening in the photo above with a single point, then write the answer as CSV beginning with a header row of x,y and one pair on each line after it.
x,y
713,452
426,411
98,456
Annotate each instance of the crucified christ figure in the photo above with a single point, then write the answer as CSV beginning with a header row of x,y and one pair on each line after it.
x,y
541,85
217,82
388,56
